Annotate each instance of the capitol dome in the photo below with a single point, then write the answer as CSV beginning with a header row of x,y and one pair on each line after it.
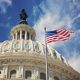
x,y
23,58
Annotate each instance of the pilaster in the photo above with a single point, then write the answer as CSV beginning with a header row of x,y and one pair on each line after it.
x,y
5,71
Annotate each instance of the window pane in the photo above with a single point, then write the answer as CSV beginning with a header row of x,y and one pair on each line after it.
x,y
13,74
36,47
42,76
28,74
16,46
23,34
18,35
27,46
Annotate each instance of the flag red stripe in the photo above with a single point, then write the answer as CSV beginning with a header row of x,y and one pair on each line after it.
x,y
61,35
61,32
65,33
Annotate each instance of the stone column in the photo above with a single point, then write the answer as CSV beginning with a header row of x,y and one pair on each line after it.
x,y
20,72
16,35
29,35
20,34
5,72
25,35
51,75
35,74
13,37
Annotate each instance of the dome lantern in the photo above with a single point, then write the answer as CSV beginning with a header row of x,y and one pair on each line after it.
x,y
23,30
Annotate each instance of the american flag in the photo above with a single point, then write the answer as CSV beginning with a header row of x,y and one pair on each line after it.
x,y
57,35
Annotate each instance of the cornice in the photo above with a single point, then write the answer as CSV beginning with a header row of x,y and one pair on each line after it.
x,y
38,61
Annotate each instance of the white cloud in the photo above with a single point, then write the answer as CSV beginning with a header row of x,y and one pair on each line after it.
x,y
52,20
4,4
74,61
76,2
73,20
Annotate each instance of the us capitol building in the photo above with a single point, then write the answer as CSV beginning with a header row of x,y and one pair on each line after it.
x,y
23,58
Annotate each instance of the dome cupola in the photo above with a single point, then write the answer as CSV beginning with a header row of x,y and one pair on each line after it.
x,y
23,30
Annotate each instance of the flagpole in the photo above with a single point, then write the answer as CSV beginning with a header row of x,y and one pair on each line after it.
x,y
46,56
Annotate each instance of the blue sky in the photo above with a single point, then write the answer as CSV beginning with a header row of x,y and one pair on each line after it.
x,y
52,14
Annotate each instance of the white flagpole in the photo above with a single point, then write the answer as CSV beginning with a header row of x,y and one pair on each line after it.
x,y
46,56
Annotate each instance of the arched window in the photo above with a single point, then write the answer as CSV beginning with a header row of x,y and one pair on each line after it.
x,y
16,46
56,78
36,47
42,76
32,38
5,46
18,35
28,74
23,34
13,74
26,46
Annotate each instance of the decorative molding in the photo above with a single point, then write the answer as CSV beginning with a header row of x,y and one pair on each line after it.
x,y
39,62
